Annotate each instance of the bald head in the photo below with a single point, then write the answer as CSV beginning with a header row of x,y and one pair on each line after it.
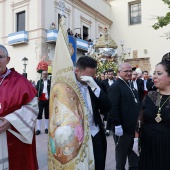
x,y
122,65
2,48
125,71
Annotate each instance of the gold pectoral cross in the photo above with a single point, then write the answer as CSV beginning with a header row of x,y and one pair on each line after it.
x,y
158,117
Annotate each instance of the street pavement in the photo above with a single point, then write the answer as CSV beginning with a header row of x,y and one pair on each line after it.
x,y
42,142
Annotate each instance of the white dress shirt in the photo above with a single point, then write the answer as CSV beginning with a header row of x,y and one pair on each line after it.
x,y
110,82
135,84
84,89
145,88
45,89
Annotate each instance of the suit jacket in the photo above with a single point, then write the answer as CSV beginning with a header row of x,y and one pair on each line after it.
x,y
140,85
40,86
100,103
106,86
124,109
150,85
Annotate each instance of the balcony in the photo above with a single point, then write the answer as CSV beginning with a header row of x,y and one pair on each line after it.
x,y
82,44
18,38
52,37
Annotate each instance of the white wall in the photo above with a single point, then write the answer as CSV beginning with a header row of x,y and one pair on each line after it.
x,y
39,16
100,5
141,36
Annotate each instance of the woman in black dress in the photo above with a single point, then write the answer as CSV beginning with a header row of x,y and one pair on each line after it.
x,y
155,136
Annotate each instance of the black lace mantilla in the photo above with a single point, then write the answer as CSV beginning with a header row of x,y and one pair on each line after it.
x,y
155,97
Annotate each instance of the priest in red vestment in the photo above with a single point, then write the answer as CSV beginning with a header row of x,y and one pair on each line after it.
x,y
18,113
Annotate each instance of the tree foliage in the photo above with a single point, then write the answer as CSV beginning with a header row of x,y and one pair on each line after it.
x,y
163,20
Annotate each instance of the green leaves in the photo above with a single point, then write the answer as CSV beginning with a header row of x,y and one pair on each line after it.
x,y
162,21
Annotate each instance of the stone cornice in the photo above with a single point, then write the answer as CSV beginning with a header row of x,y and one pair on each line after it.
x,y
85,20
90,10
19,3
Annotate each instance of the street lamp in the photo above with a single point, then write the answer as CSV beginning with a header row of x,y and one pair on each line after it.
x,y
124,51
25,62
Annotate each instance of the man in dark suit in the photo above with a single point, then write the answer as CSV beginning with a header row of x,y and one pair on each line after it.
x,y
148,83
95,99
123,115
138,85
106,84
43,88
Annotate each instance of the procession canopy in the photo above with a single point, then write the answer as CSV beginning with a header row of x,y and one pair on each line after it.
x,y
105,41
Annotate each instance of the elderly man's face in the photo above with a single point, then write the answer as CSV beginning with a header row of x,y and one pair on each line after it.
x,y
3,62
126,72
44,75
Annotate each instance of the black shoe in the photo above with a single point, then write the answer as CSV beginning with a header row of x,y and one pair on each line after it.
x,y
46,131
107,133
37,132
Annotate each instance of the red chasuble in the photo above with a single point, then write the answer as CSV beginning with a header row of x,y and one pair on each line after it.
x,y
16,91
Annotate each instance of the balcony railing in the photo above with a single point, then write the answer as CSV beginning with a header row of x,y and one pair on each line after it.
x,y
82,44
52,37
18,38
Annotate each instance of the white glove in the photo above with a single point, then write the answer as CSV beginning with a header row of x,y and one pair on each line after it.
x,y
135,146
90,81
118,130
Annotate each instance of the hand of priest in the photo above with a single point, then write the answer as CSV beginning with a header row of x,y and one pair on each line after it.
x,y
4,125
90,82
118,130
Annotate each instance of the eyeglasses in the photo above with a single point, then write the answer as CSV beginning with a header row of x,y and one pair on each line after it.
x,y
2,56
126,71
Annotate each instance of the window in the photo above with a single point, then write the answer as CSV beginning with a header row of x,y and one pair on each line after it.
x,y
135,12
21,21
85,33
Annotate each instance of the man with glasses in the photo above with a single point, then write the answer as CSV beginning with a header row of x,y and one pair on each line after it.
x,y
148,83
123,115
43,88
18,113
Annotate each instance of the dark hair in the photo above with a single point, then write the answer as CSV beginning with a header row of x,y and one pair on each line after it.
x,y
166,63
86,61
105,72
144,72
110,70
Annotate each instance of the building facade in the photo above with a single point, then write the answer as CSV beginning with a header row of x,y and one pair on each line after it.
x,y
132,23
27,31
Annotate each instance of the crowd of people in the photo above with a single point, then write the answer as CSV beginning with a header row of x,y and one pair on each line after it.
x,y
130,101
76,35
